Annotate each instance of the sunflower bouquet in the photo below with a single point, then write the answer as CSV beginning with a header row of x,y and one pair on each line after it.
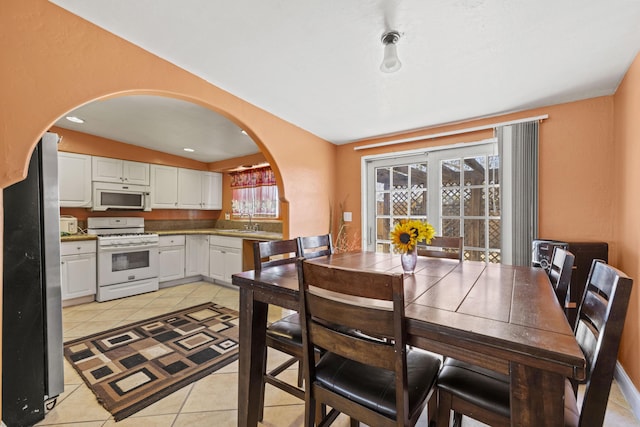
x,y
408,232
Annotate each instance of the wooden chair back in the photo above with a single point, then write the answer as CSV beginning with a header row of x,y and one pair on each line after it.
x,y
316,246
370,302
598,329
443,247
276,252
560,273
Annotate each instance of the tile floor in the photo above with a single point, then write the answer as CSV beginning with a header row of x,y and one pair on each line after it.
x,y
212,401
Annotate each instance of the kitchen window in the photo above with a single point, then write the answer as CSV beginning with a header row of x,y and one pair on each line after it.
x,y
254,193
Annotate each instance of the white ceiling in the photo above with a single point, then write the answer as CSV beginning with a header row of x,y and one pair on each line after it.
x,y
316,64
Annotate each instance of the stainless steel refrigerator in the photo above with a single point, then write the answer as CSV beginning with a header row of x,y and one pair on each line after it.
x,y
32,360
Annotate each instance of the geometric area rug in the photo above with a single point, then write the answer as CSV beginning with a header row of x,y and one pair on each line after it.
x,y
130,367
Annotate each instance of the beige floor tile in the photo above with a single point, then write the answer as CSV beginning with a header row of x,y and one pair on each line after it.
x,y
89,328
167,301
207,419
82,315
79,406
146,421
284,416
213,393
171,404
115,314
71,377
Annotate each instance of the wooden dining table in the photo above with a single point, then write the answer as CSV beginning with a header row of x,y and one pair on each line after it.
x,y
501,317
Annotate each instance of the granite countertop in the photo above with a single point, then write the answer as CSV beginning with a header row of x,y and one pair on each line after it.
x,y
77,237
243,234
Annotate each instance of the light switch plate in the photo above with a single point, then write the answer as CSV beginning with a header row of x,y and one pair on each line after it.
x,y
347,217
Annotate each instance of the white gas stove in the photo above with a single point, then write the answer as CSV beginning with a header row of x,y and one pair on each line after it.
x,y
127,257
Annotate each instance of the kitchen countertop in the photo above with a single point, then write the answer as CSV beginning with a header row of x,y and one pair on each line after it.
x,y
243,234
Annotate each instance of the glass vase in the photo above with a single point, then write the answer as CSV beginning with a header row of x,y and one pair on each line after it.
x,y
408,260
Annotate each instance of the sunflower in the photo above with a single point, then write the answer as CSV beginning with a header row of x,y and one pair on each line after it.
x,y
403,237
407,233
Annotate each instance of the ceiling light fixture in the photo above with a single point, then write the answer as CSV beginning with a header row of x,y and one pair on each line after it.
x,y
74,119
390,62
189,150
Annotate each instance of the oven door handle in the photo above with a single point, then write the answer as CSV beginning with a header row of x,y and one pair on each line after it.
x,y
127,247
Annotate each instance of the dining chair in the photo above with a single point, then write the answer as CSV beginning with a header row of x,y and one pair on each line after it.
x,y
285,334
484,395
443,247
378,381
559,273
316,246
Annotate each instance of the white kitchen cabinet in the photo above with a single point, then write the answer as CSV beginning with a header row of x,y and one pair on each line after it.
x,y
211,190
225,257
78,269
197,255
189,189
121,171
164,187
199,189
74,180
171,258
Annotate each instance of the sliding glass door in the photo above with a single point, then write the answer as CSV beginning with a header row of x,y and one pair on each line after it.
x,y
456,189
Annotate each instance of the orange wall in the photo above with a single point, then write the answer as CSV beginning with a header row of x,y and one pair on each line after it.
x,y
49,70
53,62
627,208
576,201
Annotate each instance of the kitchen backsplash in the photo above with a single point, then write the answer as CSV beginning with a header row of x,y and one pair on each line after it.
x,y
187,224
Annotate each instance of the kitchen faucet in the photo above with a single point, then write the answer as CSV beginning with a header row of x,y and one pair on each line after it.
x,y
251,226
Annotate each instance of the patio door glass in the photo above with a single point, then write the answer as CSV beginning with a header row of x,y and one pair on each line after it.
x,y
457,190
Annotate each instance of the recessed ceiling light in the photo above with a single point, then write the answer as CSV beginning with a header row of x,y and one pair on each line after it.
x,y
74,119
244,132
189,150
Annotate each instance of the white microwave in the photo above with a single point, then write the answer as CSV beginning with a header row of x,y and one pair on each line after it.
x,y
107,195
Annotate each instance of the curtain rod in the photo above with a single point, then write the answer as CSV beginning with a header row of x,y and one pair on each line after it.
x,y
449,133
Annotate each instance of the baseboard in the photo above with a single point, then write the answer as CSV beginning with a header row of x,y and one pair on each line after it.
x,y
628,389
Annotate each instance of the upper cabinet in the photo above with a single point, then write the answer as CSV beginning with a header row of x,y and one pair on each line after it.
x,y
179,188
199,189
121,171
74,180
164,187
211,190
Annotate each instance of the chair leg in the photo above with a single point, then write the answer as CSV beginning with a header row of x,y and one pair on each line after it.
x,y
310,413
457,419
300,373
262,387
354,423
444,408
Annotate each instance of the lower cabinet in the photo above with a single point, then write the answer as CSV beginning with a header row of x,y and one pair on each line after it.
x,y
197,255
225,257
78,269
171,257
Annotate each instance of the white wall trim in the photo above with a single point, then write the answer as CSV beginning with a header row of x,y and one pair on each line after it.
x,y
449,133
627,388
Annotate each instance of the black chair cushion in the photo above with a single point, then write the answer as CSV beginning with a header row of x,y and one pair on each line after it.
x,y
375,388
287,329
490,390
482,387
